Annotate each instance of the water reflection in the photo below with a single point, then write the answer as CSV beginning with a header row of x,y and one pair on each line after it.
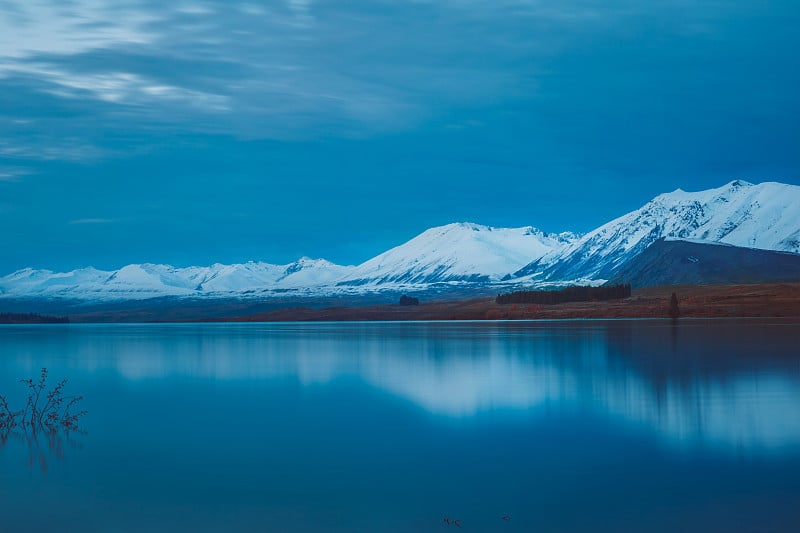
x,y
728,384
44,447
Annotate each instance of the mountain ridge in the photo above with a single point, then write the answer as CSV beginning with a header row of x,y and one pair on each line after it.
x,y
458,255
763,216
457,252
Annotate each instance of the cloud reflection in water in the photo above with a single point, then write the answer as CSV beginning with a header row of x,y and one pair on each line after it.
x,y
727,384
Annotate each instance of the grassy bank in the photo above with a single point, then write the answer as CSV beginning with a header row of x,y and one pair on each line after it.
x,y
761,300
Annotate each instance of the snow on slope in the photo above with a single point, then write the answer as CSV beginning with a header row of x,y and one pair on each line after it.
x,y
308,272
742,214
33,282
765,216
457,252
231,278
134,282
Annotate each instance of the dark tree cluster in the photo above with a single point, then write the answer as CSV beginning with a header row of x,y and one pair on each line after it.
x,y
31,318
569,294
408,300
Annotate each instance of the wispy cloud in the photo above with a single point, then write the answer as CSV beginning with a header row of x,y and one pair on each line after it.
x,y
50,149
31,27
280,69
289,69
122,88
83,221
13,173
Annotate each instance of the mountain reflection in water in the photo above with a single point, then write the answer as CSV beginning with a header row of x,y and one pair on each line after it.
x,y
729,384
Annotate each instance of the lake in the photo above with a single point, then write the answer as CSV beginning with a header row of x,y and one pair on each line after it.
x,y
560,426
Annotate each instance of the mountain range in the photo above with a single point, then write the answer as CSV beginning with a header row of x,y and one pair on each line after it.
x,y
739,214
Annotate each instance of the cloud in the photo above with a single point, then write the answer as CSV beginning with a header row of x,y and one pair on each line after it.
x,y
31,27
82,221
13,173
120,88
50,149
280,69
295,69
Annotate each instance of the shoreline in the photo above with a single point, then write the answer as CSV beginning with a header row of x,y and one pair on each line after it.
x,y
763,300
773,300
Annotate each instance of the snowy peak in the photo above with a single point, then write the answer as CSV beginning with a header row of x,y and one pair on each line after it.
x,y
733,187
307,272
30,281
140,281
306,263
765,216
458,252
219,278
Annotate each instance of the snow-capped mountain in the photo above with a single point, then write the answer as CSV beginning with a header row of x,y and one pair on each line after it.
x,y
311,273
457,253
460,252
141,281
764,216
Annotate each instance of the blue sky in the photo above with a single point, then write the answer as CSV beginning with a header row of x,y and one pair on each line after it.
x,y
229,131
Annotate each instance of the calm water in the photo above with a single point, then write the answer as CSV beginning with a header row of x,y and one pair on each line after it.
x,y
564,426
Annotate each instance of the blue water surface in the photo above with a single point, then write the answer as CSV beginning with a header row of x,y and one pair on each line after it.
x,y
561,426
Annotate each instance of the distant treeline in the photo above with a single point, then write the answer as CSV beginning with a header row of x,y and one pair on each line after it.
x,y
570,294
31,318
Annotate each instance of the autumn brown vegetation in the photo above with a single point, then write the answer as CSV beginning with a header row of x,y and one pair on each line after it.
x,y
696,301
